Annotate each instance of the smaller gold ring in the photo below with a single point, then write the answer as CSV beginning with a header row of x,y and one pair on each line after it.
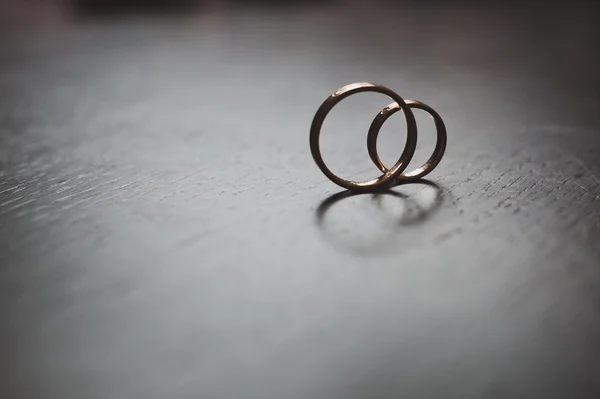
x,y
438,152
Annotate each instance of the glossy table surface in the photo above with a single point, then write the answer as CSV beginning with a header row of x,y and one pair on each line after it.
x,y
166,233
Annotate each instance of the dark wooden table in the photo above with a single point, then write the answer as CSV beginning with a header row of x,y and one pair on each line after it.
x,y
166,234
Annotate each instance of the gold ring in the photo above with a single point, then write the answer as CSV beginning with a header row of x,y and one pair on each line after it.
x,y
388,176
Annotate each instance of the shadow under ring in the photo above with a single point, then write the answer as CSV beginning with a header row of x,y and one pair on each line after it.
x,y
377,246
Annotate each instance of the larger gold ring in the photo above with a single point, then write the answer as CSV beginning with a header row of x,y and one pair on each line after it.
x,y
388,176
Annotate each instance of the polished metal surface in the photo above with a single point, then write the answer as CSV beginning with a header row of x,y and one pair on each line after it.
x,y
388,176
440,144
395,172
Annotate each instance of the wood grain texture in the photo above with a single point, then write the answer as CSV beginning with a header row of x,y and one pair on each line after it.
x,y
165,232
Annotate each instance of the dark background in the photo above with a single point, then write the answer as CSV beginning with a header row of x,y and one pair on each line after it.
x,y
165,232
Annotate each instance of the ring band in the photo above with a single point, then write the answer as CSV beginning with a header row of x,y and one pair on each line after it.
x,y
438,152
389,175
